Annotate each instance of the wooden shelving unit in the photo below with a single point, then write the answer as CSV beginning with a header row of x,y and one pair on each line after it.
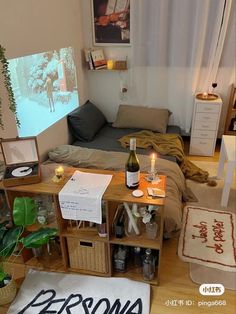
x,y
231,113
79,243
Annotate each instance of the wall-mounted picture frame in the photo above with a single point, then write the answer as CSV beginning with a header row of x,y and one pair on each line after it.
x,y
111,22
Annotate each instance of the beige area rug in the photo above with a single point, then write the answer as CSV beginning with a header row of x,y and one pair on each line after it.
x,y
49,292
202,274
208,238
210,197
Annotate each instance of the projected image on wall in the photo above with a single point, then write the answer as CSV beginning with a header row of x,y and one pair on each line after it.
x,y
45,89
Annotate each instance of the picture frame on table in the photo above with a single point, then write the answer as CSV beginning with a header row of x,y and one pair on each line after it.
x,y
111,22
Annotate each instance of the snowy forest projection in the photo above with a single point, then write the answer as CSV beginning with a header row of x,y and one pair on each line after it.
x,y
45,89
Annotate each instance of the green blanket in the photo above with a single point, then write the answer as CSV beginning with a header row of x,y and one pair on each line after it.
x,y
167,144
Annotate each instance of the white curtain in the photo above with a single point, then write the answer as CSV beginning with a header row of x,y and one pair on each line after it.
x,y
176,50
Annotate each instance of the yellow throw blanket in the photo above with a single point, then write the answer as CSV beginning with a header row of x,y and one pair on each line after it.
x,y
167,144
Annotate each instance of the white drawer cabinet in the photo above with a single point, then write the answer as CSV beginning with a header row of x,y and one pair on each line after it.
x,y
205,123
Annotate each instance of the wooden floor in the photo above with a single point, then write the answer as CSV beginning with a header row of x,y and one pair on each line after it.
x,y
176,292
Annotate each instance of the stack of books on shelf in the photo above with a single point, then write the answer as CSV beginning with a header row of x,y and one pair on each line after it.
x,y
95,59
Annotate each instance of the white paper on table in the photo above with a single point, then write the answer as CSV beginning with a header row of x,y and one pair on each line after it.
x,y
81,196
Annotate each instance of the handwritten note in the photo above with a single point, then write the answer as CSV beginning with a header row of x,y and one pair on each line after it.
x,y
81,196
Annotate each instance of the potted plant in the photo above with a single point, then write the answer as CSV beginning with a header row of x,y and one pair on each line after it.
x,y
7,83
11,236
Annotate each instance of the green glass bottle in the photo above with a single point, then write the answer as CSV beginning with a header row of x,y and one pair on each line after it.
x,y
132,168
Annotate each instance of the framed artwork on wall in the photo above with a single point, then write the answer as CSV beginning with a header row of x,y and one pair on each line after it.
x,y
111,22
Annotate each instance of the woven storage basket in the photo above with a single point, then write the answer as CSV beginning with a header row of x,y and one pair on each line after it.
x,y
8,293
88,255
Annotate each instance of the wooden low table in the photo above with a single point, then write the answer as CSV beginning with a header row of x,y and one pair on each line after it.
x,y
71,235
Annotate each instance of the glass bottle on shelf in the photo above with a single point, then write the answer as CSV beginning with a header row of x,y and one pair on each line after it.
x,y
137,256
148,265
120,258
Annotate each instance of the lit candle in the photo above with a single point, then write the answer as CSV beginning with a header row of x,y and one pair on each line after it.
x,y
153,162
110,64
59,171
204,95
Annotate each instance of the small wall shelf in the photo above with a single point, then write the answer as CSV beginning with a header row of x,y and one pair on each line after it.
x,y
106,70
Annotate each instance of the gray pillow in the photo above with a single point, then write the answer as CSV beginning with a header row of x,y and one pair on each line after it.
x,y
153,119
84,122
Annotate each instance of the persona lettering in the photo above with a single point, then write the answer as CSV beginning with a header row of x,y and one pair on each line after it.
x,y
46,302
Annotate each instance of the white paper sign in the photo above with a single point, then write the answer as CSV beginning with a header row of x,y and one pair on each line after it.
x,y
81,196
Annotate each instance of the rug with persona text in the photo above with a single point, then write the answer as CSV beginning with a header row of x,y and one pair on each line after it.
x,y
48,292
208,238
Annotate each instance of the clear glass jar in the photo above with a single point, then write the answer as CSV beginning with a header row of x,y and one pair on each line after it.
x,y
148,265
120,258
151,230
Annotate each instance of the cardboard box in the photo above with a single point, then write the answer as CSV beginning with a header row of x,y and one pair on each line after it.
x,y
21,160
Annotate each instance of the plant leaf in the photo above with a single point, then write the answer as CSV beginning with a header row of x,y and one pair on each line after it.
x,y
9,241
38,238
3,229
24,211
2,275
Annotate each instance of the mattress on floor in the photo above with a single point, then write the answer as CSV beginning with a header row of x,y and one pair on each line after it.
x,y
107,139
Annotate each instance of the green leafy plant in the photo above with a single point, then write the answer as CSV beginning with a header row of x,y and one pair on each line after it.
x,y
24,214
7,83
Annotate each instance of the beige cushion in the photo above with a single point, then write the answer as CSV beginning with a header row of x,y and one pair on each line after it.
x,y
142,118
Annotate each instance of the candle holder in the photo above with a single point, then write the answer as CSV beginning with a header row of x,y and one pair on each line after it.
x,y
152,176
59,174
110,64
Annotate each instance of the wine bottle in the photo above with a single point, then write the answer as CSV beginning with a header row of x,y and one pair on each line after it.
x,y
132,169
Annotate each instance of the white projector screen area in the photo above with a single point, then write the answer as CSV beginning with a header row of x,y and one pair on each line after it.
x,y
45,89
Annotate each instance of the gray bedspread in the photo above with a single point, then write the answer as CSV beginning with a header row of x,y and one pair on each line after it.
x,y
94,158
107,139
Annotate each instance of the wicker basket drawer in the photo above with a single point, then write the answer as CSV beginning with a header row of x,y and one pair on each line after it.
x,y
88,255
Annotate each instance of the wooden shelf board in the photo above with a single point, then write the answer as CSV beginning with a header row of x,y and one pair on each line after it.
x,y
37,226
40,263
55,264
107,70
15,260
135,273
88,272
84,233
140,241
